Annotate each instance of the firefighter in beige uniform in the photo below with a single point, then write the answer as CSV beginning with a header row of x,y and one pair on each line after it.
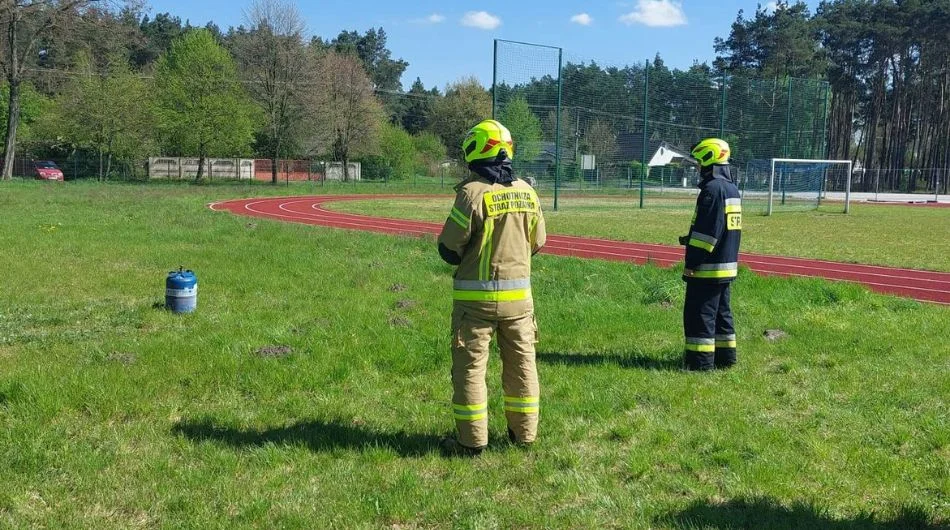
x,y
491,233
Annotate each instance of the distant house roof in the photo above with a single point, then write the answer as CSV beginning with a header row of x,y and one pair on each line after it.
x,y
659,152
630,148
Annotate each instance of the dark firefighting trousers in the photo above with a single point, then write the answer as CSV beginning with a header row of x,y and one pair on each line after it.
x,y
470,352
707,321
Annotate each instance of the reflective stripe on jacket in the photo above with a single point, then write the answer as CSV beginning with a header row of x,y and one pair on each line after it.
x,y
712,249
494,229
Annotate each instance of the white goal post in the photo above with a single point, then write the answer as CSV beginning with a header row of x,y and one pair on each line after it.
x,y
847,191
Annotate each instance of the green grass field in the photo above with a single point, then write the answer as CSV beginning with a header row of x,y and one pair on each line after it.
x,y
899,236
311,387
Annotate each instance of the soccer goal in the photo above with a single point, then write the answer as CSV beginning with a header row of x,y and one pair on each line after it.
x,y
792,184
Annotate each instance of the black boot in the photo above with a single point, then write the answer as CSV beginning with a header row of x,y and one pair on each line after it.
x,y
452,448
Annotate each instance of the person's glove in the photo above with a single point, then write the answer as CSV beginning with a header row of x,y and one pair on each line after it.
x,y
684,240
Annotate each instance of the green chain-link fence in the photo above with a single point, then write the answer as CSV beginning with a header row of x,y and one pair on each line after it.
x,y
582,126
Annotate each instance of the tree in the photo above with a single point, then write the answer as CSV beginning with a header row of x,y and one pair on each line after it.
x,y
346,115
601,140
34,107
384,71
202,108
886,62
465,104
24,22
156,38
95,31
107,111
277,67
525,128
418,108
774,43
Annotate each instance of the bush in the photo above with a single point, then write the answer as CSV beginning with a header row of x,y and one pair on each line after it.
x,y
430,153
398,151
376,167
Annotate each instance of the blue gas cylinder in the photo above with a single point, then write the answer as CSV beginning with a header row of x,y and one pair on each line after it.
x,y
181,291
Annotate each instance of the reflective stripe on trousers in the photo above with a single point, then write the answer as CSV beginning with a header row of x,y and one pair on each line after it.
x,y
700,344
475,412
524,405
726,341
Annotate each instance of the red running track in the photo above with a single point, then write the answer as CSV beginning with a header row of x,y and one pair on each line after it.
x,y
921,285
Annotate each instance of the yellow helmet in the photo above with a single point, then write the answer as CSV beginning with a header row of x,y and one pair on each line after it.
x,y
711,151
486,141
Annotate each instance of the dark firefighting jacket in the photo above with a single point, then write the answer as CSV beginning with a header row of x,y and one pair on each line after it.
x,y
712,245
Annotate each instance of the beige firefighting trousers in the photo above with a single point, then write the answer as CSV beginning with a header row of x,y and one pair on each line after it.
x,y
470,351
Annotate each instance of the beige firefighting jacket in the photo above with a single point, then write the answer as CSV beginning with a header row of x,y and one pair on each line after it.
x,y
495,229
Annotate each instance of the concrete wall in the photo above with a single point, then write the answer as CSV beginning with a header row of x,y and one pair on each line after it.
x,y
335,170
187,168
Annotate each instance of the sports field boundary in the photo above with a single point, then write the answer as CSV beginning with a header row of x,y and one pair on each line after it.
x,y
927,286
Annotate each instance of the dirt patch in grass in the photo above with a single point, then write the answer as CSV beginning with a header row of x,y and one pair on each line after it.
x,y
773,335
397,288
400,322
274,352
406,304
316,324
120,357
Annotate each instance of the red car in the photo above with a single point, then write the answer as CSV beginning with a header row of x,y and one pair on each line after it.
x,y
47,170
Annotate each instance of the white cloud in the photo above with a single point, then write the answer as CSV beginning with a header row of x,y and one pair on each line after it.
x,y
480,20
656,13
434,18
583,19
770,7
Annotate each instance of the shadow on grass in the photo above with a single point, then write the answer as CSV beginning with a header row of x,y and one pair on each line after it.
x,y
623,361
316,435
762,513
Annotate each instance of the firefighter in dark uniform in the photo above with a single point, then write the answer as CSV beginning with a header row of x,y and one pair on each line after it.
x,y
712,255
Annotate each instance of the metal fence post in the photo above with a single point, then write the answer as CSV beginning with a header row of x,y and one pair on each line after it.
x,y
557,127
494,82
788,119
646,114
722,108
824,124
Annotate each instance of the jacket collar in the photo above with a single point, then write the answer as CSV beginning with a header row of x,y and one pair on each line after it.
x,y
494,171
718,171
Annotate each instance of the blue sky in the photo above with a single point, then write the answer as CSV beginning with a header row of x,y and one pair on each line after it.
x,y
443,41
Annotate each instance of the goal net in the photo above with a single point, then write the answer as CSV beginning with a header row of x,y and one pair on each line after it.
x,y
788,184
